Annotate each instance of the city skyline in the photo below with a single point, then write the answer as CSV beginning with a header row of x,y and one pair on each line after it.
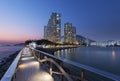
x,y
23,19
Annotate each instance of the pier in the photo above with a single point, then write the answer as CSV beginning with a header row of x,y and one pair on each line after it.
x,y
34,65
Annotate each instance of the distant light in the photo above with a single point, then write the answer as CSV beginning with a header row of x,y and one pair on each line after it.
x,y
33,44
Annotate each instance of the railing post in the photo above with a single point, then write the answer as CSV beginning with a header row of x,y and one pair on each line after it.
x,y
82,74
14,76
39,55
51,68
45,57
34,53
61,76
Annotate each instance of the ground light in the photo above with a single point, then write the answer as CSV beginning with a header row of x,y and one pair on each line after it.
x,y
42,76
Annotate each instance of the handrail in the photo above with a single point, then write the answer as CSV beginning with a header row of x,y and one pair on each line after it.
x,y
88,68
59,67
11,70
56,64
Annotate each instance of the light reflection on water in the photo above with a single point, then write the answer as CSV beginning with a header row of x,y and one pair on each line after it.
x,y
113,54
104,58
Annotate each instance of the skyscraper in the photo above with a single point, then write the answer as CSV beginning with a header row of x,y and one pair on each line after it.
x,y
69,33
45,32
52,31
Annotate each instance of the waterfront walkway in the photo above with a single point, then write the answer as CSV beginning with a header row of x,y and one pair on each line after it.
x,y
25,67
30,69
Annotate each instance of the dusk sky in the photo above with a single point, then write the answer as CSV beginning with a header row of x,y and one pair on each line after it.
x,y
21,20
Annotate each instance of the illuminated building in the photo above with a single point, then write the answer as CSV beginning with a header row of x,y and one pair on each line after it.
x,y
52,31
69,33
45,32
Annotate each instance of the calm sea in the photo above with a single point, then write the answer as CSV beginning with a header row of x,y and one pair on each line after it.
x,y
103,58
5,51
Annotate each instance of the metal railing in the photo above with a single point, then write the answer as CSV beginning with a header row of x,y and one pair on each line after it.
x,y
11,72
81,66
45,59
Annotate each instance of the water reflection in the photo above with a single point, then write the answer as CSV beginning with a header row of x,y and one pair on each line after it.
x,y
66,53
104,58
60,53
57,53
113,54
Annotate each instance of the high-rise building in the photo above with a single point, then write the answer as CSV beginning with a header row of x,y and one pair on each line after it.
x,y
52,31
45,32
69,33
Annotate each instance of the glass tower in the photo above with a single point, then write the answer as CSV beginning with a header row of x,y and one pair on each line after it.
x,y
52,31
69,33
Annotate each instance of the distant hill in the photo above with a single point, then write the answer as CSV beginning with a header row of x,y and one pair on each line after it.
x,y
83,39
20,44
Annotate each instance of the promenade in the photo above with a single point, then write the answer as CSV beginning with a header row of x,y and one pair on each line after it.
x,y
30,69
30,65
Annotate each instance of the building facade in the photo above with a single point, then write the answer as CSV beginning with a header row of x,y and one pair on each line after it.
x,y
69,33
52,31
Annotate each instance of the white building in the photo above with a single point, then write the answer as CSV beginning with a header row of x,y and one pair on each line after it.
x,y
52,31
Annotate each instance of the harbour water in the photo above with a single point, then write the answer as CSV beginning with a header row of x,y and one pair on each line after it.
x,y
5,51
103,58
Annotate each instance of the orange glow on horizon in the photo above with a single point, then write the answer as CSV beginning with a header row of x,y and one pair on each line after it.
x,y
17,34
17,38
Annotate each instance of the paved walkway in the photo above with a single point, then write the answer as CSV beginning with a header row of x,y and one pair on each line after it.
x,y
30,70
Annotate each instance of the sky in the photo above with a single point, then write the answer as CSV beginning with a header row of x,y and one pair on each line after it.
x,y
22,20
